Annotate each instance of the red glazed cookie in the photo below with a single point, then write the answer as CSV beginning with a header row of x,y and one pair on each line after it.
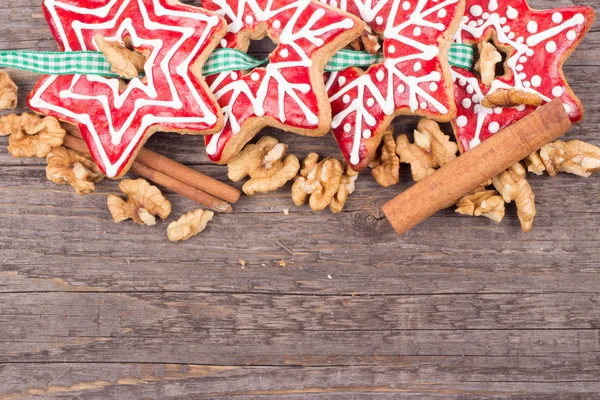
x,y
115,118
537,44
414,77
288,93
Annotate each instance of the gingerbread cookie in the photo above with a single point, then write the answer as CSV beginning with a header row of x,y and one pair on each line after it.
x,y
414,77
537,43
288,93
117,117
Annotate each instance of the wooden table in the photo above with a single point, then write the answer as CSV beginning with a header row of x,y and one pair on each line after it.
x,y
458,308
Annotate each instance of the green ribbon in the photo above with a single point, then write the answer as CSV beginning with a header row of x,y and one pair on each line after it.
x,y
221,60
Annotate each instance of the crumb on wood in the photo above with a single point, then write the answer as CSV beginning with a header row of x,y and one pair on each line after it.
x,y
282,263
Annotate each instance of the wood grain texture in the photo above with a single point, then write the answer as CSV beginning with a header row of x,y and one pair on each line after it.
x,y
460,308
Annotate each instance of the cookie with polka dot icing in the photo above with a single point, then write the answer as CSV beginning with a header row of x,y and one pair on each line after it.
x,y
117,117
536,43
289,93
413,79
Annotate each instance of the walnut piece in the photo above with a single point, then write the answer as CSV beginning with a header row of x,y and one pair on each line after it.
x,y
489,56
144,203
69,167
535,164
189,225
8,92
484,203
368,41
513,186
386,170
319,183
346,188
30,135
431,150
574,157
125,62
266,166
511,98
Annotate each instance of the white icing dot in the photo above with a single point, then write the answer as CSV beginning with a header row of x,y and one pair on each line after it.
x,y
470,89
433,86
367,133
557,18
532,27
461,121
423,105
503,20
255,76
249,19
391,49
494,127
511,35
522,59
476,11
520,39
522,75
417,66
341,80
466,103
567,108
527,84
536,81
346,98
442,13
276,24
498,110
380,75
417,31
521,107
284,53
233,75
400,88
347,128
512,13
379,20
571,35
529,52
406,5
557,91
370,101
506,28
223,43
519,67
551,46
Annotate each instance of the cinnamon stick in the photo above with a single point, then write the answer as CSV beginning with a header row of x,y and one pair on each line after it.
x,y
180,172
161,179
448,184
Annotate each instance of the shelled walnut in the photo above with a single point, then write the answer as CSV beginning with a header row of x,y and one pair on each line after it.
x,y
69,167
189,225
574,157
431,149
323,184
386,168
482,203
513,186
511,98
144,203
30,135
266,166
489,56
8,92
125,61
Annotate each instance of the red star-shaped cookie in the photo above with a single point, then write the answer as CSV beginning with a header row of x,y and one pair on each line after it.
x,y
414,77
539,42
289,93
115,118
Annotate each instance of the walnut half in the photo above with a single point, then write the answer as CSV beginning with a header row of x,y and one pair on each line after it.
x,y
30,135
431,150
8,92
125,62
574,157
189,225
482,203
143,204
69,167
266,165
386,169
513,186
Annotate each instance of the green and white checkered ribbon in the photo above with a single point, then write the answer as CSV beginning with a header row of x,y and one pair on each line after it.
x,y
221,60
461,56
58,63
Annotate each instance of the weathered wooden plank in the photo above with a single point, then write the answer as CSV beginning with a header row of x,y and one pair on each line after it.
x,y
431,379
361,253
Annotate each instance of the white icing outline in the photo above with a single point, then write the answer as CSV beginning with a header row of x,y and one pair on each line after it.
x,y
148,120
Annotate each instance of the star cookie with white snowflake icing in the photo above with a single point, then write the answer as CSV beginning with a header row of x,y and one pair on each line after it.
x,y
537,43
413,79
117,117
289,93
